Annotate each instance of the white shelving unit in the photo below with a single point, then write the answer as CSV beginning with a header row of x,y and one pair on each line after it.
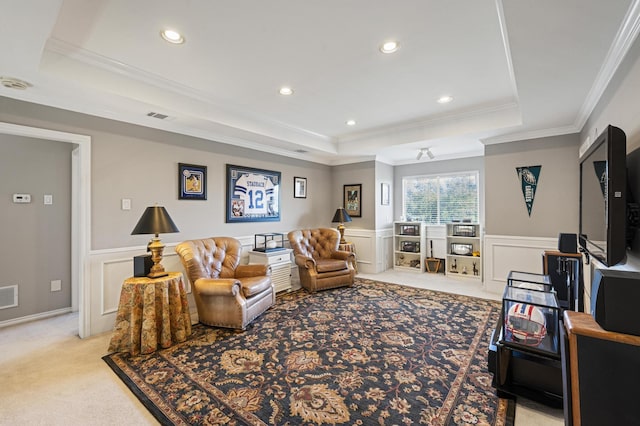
x,y
463,240
409,246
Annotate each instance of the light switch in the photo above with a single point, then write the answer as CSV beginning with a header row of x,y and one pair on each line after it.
x,y
48,200
126,204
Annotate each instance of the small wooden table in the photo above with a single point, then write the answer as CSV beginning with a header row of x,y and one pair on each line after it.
x,y
152,313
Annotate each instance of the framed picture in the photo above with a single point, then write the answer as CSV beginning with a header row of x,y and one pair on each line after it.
x,y
384,198
353,199
299,187
253,195
192,182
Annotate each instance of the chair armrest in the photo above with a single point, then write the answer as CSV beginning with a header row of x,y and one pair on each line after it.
x,y
305,262
343,255
217,287
253,270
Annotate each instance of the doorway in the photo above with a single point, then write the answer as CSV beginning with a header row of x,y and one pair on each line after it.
x,y
80,212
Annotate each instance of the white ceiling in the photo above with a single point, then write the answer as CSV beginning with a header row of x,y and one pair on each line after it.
x,y
516,69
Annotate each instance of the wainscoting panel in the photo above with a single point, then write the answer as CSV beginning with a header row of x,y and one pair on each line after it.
x,y
371,247
109,268
503,254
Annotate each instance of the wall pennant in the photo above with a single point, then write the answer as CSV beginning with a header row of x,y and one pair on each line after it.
x,y
529,180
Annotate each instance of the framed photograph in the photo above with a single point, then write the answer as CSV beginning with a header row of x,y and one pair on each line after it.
x,y
384,198
253,195
353,199
299,187
192,182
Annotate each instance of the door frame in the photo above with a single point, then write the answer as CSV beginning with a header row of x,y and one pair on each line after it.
x,y
80,213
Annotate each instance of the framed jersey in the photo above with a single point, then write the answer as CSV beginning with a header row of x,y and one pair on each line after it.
x,y
253,195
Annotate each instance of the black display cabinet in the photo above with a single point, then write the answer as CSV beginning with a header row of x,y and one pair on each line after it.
x,y
524,352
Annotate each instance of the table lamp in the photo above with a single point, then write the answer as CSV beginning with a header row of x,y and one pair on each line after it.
x,y
155,220
341,216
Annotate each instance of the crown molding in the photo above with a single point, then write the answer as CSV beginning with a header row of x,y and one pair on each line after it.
x,y
627,34
422,123
301,136
531,134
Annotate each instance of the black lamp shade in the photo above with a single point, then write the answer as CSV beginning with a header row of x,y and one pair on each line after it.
x,y
155,220
341,216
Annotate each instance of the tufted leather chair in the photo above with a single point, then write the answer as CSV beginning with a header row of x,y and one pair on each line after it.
x,y
227,294
320,264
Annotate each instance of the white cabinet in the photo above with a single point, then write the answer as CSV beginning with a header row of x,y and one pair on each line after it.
x,y
280,262
409,246
463,250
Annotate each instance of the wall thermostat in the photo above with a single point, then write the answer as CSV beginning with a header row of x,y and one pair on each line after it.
x,y
21,198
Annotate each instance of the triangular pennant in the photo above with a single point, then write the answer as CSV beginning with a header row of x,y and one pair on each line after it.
x,y
600,167
529,180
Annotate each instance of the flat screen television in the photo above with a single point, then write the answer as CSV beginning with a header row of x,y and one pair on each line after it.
x,y
603,182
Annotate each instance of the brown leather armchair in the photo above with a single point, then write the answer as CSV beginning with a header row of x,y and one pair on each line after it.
x,y
320,264
227,294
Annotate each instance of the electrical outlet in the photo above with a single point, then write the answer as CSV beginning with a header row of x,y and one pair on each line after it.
x,y
56,285
48,199
126,204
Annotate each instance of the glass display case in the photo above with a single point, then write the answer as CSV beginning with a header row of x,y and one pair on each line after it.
x,y
529,280
530,320
268,242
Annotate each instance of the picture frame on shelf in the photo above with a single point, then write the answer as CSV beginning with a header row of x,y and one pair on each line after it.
x,y
352,196
253,195
299,187
384,194
192,182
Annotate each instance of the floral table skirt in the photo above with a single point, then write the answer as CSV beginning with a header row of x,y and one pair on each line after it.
x,y
152,313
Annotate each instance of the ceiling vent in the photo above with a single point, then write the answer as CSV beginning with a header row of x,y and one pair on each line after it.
x,y
14,83
157,115
301,151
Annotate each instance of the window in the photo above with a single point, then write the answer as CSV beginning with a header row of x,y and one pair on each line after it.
x,y
438,199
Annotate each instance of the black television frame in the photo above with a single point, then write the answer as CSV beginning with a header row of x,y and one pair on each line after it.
x,y
614,220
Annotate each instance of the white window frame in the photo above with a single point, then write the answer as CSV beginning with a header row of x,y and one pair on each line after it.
x,y
438,176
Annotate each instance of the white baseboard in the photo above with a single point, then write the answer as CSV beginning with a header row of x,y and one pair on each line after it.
x,y
35,317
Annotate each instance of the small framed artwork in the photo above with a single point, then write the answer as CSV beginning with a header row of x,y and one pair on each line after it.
x,y
253,195
353,199
384,194
299,187
192,182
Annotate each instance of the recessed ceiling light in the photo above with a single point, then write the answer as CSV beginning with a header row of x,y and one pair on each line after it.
x,y
350,122
172,36
445,99
389,46
286,91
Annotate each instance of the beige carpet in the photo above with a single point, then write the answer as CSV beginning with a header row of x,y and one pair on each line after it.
x,y
48,376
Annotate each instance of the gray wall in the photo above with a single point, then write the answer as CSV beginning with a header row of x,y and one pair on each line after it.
x,y
384,213
434,168
140,164
36,238
555,206
350,174
620,107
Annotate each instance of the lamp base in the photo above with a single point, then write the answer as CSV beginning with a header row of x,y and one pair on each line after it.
x,y
341,229
156,247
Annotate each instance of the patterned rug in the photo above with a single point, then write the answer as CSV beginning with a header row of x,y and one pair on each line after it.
x,y
372,354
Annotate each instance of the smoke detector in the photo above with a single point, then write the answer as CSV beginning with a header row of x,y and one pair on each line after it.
x,y
14,83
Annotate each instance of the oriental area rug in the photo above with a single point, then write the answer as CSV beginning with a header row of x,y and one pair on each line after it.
x,y
371,354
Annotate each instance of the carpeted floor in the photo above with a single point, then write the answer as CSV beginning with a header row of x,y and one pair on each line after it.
x,y
376,353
